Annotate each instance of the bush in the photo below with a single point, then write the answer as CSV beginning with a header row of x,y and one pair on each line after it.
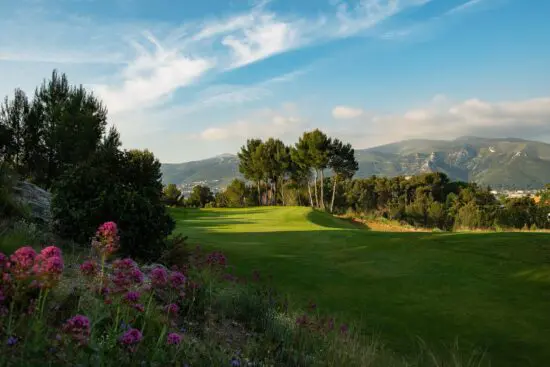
x,y
124,187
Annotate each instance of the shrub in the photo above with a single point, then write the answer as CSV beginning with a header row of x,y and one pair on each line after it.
x,y
124,187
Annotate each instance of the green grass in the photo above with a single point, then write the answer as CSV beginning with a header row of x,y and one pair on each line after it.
x,y
489,290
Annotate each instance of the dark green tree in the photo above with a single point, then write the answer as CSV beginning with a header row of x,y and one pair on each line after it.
x,y
343,164
249,165
200,196
172,195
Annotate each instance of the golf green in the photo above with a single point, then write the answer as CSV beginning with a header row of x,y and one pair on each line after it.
x,y
488,290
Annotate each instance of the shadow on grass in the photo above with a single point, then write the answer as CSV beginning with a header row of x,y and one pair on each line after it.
x,y
329,221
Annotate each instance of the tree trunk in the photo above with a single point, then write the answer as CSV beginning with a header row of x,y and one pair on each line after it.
x,y
274,186
333,194
322,189
259,194
309,191
316,194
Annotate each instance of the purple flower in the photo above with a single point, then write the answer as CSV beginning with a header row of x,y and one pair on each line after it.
x,y
131,337
89,268
159,276
172,309
12,341
78,327
132,297
235,362
173,339
177,279
344,328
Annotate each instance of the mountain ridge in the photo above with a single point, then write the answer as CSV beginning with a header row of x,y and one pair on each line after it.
x,y
502,163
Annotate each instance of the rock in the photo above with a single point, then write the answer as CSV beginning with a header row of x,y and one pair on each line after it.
x,y
38,200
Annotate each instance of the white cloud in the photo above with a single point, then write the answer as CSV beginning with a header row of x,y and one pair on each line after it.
x,y
284,123
444,119
345,112
151,77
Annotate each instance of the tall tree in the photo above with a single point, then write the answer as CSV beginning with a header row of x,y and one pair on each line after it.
x,y
249,165
313,151
13,116
343,164
273,160
71,121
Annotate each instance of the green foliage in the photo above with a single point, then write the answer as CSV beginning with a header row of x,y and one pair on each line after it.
x,y
61,126
200,197
172,195
124,187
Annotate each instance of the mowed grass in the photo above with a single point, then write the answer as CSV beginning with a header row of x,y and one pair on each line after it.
x,y
489,290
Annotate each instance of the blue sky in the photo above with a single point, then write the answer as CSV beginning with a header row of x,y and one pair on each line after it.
x,y
193,79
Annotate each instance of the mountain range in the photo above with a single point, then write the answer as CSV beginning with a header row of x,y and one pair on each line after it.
x,y
502,163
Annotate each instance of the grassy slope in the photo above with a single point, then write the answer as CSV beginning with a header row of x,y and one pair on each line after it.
x,y
489,290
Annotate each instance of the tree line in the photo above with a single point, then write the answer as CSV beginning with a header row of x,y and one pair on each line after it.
x,y
59,140
295,175
272,165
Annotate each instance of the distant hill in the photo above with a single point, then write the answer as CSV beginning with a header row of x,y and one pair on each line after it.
x,y
501,163
216,172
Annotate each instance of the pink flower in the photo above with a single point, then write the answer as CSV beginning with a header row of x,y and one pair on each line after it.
x,y
89,268
78,327
177,279
132,297
172,309
159,276
48,270
173,339
131,337
50,251
106,239
23,261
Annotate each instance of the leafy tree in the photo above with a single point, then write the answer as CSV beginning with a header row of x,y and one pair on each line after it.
x,y
113,185
273,158
235,194
343,164
13,116
313,152
172,195
249,165
200,196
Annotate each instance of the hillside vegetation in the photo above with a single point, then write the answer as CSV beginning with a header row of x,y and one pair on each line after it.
x,y
488,290
500,163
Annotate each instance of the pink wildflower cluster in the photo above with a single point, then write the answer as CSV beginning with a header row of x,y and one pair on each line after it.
x,y
43,269
173,339
126,274
159,276
48,266
106,241
216,258
89,268
172,309
131,337
22,262
78,328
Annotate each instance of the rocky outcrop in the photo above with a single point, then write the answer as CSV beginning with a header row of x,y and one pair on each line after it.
x,y
36,199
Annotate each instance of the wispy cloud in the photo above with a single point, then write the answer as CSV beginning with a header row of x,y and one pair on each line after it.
x,y
346,112
465,6
159,59
152,76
